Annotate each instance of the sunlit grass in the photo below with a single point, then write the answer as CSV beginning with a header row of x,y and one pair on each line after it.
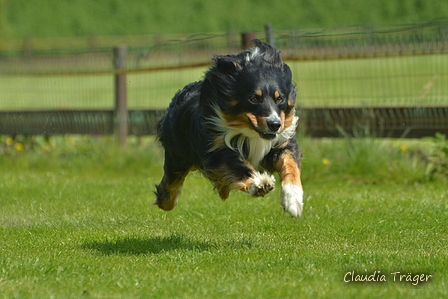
x,y
76,220
145,90
393,81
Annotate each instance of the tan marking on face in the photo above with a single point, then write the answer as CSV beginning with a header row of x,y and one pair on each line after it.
x,y
286,119
259,93
282,119
289,119
261,120
258,122
253,119
276,94
236,121
288,169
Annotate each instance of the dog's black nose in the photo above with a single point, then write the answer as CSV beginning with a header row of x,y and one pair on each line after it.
x,y
273,125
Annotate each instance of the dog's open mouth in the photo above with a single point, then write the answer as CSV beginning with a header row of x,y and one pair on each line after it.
x,y
267,136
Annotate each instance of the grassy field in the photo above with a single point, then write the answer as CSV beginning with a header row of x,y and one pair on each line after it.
x,y
418,80
76,221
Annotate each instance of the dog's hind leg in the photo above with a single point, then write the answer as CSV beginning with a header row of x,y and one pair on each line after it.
x,y
169,188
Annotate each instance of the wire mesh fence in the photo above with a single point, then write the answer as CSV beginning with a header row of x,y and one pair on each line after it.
x,y
354,67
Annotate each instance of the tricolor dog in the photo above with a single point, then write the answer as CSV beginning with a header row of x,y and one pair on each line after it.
x,y
237,126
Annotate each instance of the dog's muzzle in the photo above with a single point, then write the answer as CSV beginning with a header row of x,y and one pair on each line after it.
x,y
273,124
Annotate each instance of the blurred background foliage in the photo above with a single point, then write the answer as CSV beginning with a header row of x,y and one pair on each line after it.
x,y
64,18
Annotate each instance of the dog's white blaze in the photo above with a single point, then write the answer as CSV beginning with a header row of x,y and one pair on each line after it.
x,y
292,199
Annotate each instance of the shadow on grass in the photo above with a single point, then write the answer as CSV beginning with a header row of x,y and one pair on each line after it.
x,y
155,245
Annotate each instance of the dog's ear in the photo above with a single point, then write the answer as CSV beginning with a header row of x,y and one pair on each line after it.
x,y
268,53
229,64
287,74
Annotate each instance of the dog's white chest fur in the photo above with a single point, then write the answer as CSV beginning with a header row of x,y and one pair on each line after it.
x,y
258,148
238,139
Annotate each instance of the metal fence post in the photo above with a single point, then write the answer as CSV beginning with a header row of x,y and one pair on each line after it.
x,y
269,34
121,111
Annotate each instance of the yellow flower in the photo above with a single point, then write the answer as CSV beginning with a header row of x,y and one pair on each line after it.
x,y
325,161
403,148
19,146
9,141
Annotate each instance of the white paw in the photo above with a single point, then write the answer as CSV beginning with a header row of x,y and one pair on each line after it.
x,y
292,199
262,184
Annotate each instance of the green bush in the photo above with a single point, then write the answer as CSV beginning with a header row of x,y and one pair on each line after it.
x,y
437,158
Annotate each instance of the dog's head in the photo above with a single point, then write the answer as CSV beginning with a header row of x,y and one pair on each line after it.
x,y
252,92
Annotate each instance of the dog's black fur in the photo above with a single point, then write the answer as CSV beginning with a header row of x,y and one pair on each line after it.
x,y
238,121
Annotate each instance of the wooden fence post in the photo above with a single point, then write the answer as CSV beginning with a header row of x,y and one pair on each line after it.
x,y
121,111
247,37
269,34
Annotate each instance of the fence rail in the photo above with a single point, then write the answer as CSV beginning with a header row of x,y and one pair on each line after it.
x,y
392,81
397,122
92,122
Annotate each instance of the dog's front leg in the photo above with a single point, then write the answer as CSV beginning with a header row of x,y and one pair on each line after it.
x,y
240,176
292,191
259,184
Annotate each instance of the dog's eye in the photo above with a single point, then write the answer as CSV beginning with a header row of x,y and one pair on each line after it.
x,y
255,100
279,100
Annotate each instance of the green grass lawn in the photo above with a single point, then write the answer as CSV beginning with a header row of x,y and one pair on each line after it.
x,y
394,81
76,221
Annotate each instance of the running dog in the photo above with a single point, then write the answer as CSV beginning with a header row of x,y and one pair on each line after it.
x,y
237,127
